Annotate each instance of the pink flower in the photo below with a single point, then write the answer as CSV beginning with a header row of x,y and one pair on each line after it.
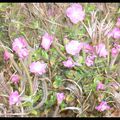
x,y
69,63
101,51
90,60
100,86
73,47
115,33
6,55
117,46
46,41
118,22
23,53
114,52
88,48
14,98
103,106
19,43
15,78
75,13
60,97
38,67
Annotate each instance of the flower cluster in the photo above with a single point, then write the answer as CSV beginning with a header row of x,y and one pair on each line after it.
x,y
20,45
73,48
103,105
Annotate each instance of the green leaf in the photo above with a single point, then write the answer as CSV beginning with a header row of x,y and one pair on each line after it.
x,y
63,105
77,75
34,112
81,32
58,82
40,53
89,8
35,98
54,52
69,73
27,104
79,59
35,24
57,77
52,98
51,101
118,10
28,101
44,54
70,98
36,54
62,48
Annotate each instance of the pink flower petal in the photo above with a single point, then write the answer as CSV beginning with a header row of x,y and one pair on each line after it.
x,y
14,98
46,41
6,55
73,47
60,97
101,51
38,67
115,33
15,78
118,22
19,43
69,63
100,86
23,53
103,106
114,52
90,60
75,13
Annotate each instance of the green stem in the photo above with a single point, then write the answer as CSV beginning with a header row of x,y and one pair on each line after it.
x,y
15,65
86,28
44,98
58,50
45,93
76,27
29,79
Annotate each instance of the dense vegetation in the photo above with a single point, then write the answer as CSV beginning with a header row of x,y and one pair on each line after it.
x,y
59,60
